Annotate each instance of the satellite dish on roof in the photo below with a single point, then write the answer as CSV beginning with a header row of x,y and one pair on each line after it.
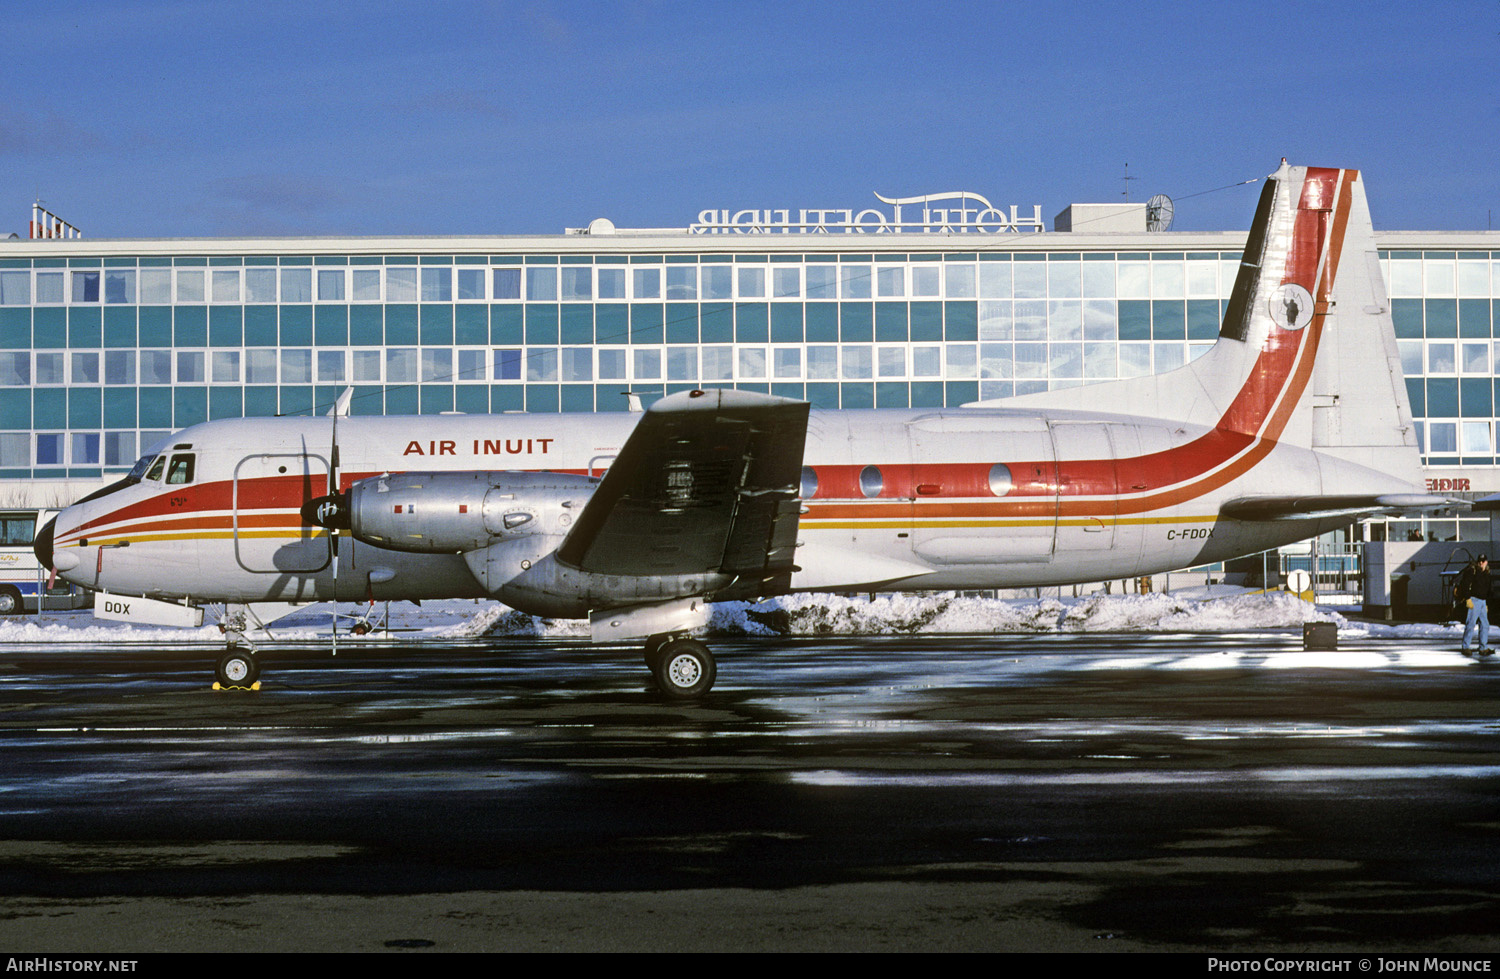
x,y
1159,213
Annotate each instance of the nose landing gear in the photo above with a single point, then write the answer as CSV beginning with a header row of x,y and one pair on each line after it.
x,y
237,669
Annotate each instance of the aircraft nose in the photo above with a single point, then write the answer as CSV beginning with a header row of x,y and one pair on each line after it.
x,y
43,544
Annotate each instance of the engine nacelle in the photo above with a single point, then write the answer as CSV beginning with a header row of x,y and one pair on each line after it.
x,y
454,512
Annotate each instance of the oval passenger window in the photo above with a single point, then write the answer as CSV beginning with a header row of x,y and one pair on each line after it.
x,y
1000,482
809,488
870,481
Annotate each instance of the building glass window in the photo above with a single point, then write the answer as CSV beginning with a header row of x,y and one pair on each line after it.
x,y
611,283
786,363
155,287
85,449
682,363
296,366
85,287
960,281
507,283
119,448
786,283
854,281
85,368
612,364
822,282
226,367
49,448
400,285
331,365
437,364
15,288
1440,358
470,284
541,284
752,363
15,368
1442,438
49,288
717,281
226,286
365,365
507,365
260,285
437,285
541,363
260,367
400,365
1477,439
49,369
119,285
682,282
365,285
752,283
647,365
857,363
296,285
577,283
646,283
331,285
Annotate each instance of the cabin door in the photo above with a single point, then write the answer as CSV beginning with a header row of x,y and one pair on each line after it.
x,y
270,536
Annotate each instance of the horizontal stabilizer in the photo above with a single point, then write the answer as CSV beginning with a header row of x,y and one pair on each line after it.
x,y
1308,507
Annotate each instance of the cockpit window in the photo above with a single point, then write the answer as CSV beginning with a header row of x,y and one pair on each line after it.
x,y
155,473
180,470
138,471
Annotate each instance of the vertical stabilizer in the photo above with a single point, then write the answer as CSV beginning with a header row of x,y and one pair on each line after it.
x,y
1306,352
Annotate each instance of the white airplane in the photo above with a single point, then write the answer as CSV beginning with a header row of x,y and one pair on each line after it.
x,y
1293,424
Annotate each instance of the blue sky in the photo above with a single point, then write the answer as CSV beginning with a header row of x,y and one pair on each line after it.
x,y
219,117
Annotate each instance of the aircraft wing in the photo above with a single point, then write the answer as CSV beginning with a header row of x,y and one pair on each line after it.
x,y
1261,508
706,483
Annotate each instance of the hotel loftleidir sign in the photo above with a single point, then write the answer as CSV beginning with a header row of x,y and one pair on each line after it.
x,y
958,212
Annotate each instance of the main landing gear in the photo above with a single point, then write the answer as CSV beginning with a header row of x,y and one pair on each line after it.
x,y
682,666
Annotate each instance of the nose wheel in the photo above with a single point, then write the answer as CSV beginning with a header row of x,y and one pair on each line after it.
x,y
684,668
237,669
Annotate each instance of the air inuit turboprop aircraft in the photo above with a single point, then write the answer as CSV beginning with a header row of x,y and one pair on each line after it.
x,y
1295,422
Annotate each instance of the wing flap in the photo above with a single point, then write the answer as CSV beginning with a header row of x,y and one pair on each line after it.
x,y
706,483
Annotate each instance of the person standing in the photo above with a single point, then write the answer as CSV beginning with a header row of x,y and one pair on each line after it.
x,y
1473,592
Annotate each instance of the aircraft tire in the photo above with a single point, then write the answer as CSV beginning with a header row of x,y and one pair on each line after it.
x,y
684,669
10,601
654,647
237,669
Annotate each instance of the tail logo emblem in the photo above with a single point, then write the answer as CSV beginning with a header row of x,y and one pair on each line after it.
x,y
1291,306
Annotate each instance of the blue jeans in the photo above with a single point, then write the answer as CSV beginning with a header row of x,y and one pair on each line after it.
x,y
1479,615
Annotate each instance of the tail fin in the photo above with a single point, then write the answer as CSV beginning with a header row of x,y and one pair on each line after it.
x,y
1306,353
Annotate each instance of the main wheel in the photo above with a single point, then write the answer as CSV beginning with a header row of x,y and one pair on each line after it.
x,y
684,669
654,646
237,669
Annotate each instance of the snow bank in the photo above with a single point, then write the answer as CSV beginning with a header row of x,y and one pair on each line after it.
x,y
831,615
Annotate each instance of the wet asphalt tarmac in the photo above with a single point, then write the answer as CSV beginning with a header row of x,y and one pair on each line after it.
x,y
1041,792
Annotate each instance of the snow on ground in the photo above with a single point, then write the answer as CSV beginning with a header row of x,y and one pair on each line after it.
x,y
1197,610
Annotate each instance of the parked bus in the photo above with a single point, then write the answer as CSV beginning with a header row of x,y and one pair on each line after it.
x,y
22,578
